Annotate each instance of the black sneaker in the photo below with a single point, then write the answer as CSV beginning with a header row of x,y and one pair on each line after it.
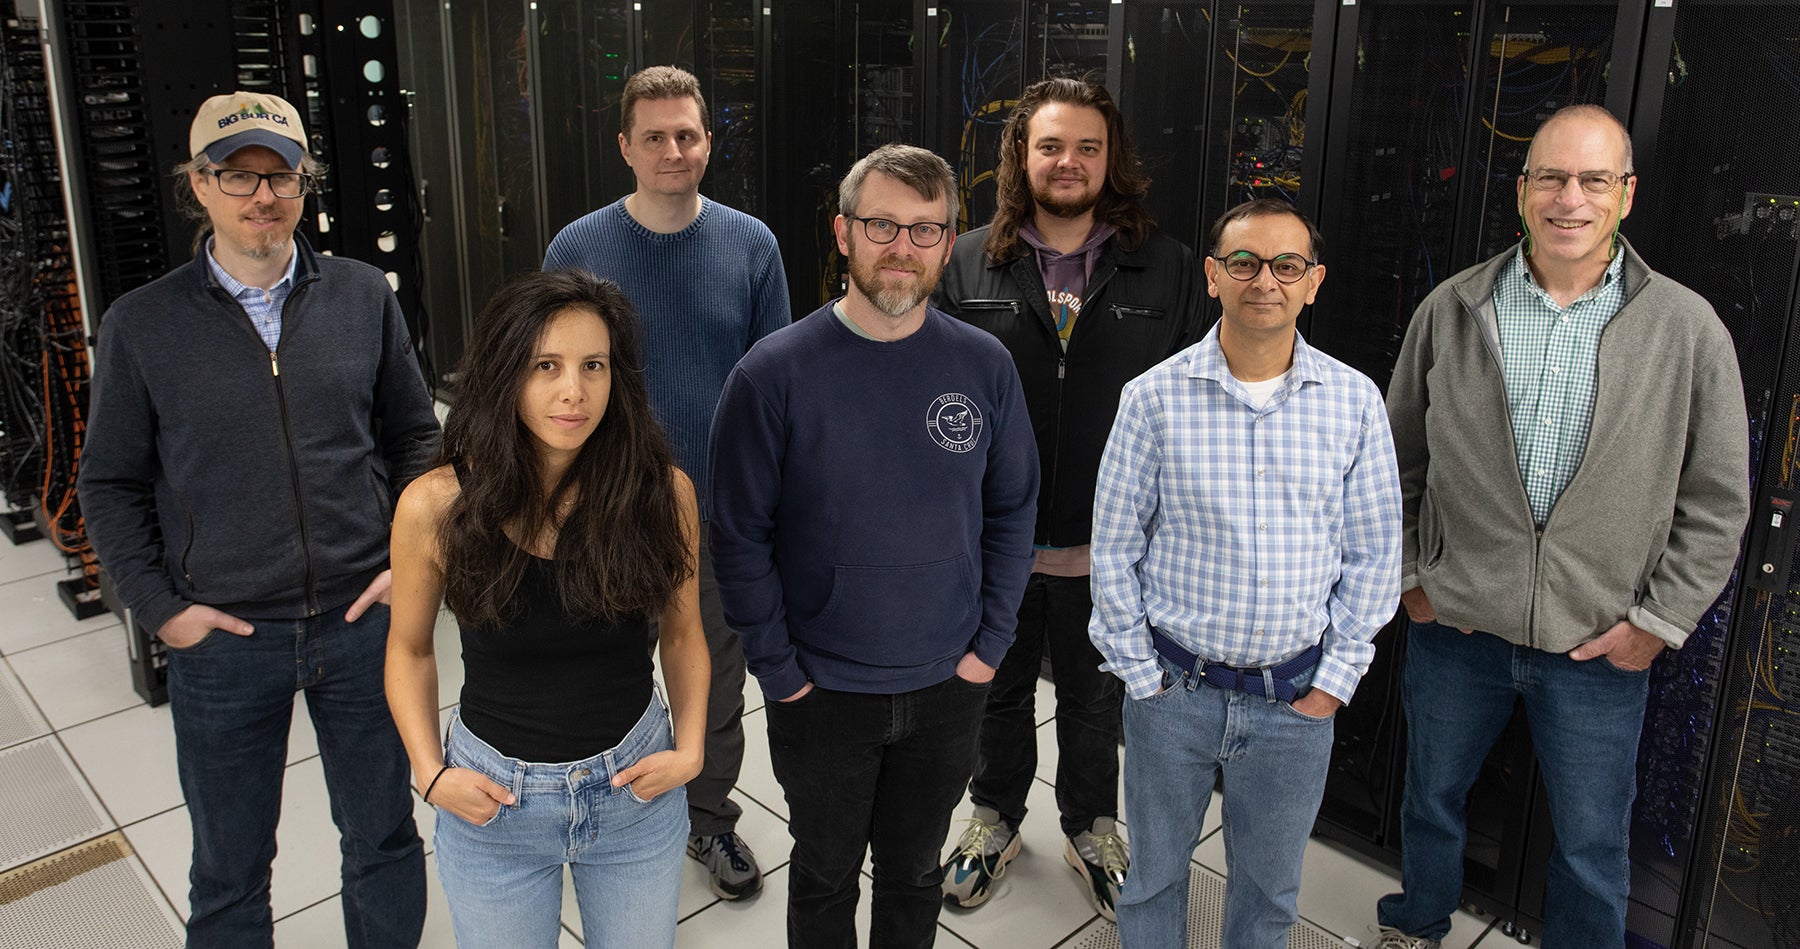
x,y
731,870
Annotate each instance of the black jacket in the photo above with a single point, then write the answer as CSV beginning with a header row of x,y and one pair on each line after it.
x,y
1141,307
214,472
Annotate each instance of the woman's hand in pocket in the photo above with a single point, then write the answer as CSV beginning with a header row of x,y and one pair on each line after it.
x,y
653,774
470,795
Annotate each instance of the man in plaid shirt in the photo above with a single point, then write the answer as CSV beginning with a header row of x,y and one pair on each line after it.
x,y
1246,550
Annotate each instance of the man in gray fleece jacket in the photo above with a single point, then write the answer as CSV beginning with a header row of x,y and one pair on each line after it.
x,y
1572,442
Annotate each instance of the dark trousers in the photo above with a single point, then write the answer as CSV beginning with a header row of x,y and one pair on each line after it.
x,y
710,807
232,698
1053,616
871,771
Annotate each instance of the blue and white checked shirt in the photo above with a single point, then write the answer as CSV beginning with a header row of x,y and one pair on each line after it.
x,y
1550,355
1246,535
262,306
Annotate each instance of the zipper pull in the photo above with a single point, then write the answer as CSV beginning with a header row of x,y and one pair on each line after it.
x,y
275,364
1061,367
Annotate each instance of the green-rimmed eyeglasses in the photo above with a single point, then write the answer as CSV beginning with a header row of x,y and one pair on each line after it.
x,y
880,230
1555,179
1287,268
243,184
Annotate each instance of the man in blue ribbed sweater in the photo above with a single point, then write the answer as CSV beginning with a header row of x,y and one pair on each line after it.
x,y
708,282
874,488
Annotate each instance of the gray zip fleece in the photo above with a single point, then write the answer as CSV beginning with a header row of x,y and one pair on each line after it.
x,y
1648,528
216,473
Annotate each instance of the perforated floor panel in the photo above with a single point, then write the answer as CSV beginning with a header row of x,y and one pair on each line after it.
x,y
93,896
48,805
1206,908
19,719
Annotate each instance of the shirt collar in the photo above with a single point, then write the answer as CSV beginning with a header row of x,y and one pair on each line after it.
x,y
1519,270
237,288
1207,361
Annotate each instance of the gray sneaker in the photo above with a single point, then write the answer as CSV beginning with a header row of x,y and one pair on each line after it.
x,y
1099,855
980,858
731,870
1387,937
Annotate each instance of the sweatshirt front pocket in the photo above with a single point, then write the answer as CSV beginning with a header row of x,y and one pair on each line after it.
x,y
896,616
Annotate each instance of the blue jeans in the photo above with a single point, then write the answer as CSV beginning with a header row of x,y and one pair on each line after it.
x,y
504,880
1459,692
1274,760
232,698
865,771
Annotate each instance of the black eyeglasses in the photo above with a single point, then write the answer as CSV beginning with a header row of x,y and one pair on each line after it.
x,y
1593,182
880,230
1287,268
243,184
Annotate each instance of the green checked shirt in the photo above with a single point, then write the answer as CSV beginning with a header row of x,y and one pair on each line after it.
x,y
1549,354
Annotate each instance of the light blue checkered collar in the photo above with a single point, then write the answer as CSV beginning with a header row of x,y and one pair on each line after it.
x,y
237,288
1206,360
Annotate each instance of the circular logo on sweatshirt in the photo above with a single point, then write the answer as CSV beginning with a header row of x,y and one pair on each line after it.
x,y
954,422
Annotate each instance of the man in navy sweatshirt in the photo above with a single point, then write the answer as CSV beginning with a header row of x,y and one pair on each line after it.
x,y
873,489
708,282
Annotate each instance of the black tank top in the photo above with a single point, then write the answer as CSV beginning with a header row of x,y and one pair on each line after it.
x,y
545,688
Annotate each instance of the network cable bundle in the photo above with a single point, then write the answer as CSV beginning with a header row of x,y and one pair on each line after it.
x,y
43,352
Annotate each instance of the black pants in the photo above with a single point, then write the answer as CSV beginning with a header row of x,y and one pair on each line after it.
x,y
1053,616
880,771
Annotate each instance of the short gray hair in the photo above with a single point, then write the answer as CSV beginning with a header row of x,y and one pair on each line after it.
x,y
1592,113
918,169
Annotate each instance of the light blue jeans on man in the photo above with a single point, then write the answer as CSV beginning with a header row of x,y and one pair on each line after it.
x,y
1459,691
1274,760
504,879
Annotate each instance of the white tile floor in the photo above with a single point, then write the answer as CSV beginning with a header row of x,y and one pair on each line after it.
x,y
77,676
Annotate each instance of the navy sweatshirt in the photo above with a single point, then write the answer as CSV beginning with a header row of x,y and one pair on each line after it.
x,y
872,504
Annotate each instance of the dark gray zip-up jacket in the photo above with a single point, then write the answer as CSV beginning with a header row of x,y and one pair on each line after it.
x,y
1648,528
258,483
1140,308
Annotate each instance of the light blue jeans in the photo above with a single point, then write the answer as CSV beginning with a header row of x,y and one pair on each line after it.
x,y
504,879
1274,760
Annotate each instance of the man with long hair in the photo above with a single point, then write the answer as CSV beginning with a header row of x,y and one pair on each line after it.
x,y
708,283
872,487
1073,277
255,413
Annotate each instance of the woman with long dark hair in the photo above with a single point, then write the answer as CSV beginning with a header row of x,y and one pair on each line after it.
x,y
556,525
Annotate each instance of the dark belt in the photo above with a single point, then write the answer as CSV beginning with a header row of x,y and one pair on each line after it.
x,y
1247,679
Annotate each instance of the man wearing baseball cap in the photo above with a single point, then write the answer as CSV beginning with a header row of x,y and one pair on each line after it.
x,y
254,413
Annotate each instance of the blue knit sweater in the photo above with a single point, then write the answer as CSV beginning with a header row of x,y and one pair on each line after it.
x,y
873,505
706,293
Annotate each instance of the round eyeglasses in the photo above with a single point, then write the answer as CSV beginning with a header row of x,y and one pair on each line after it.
x,y
1287,268
243,184
880,230
1592,182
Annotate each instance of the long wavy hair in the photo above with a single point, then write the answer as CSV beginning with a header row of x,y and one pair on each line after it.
x,y
621,549
1121,196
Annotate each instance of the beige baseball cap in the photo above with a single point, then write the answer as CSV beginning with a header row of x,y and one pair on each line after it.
x,y
238,120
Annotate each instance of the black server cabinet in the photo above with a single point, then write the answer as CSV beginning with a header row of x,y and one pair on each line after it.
x,y
980,72
1716,832
1161,63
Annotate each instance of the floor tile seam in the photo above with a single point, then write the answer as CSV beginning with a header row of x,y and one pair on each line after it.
x,y
115,624
105,808
324,899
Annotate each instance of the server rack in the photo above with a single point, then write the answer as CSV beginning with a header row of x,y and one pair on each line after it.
x,y
1716,834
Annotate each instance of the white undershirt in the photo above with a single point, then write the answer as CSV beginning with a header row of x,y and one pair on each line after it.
x,y
1259,392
